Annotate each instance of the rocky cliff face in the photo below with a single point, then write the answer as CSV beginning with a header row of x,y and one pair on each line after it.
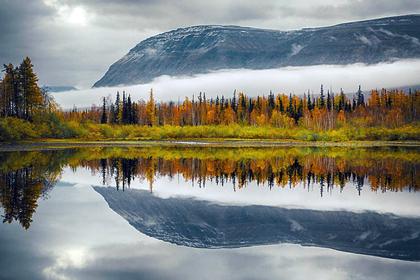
x,y
201,49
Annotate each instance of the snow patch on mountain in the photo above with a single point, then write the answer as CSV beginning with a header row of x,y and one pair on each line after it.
x,y
296,48
203,49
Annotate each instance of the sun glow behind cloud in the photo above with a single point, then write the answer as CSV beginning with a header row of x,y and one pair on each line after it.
x,y
76,15
65,259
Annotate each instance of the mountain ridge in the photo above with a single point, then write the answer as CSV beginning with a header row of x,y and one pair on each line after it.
x,y
205,48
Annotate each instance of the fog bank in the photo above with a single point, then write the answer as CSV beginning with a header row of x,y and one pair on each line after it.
x,y
296,80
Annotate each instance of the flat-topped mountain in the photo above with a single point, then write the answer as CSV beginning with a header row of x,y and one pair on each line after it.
x,y
201,49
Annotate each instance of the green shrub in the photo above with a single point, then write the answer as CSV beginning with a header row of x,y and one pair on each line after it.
x,y
13,129
52,126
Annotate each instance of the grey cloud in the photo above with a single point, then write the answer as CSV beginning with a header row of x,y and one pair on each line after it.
x,y
366,8
270,14
142,261
18,20
79,55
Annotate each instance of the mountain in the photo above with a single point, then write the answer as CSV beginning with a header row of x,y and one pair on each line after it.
x,y
201,49
58,88
204,224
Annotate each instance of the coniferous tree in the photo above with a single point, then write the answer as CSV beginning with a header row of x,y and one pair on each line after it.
x,y
104,117
124,109
112,114
329,103
322,98
281,106
21,96
341,101
271,101
117,109
134,113
290,106
129,113
32,96
8,91
360,97
310,106
233,103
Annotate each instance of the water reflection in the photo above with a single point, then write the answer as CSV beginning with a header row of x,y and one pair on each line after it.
x,y
26,177
201,224
381,174
386,169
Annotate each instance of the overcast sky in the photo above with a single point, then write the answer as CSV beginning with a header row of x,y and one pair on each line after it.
x,y
74,42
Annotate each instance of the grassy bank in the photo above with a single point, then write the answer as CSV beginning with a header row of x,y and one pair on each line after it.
x,y
364,156
17,130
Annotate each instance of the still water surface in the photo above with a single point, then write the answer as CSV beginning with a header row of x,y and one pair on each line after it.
x,y
205,213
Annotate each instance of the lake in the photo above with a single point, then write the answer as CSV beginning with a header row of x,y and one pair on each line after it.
x,y
206,212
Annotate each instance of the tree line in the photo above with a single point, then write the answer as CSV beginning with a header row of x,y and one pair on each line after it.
x,y
322,111
22,99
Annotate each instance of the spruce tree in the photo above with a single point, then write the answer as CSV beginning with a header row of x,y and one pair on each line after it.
x,y
271,101
117,109
124,110
134,113
129,111
290,110
329,104
32,96
112,114
360,97
322,98
9,88
341,101
104,118
233,103
310,107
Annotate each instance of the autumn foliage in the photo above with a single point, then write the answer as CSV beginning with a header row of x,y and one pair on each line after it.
x,y
388,108
28,112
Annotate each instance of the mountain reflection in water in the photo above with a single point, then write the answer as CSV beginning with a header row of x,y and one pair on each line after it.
x,y
201,224
25,177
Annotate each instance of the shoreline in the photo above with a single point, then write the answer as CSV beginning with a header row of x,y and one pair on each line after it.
x,y
201,142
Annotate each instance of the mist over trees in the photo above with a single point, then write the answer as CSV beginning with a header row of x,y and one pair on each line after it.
x,y
27,112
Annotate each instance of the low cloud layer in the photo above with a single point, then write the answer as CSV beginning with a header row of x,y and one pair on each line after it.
x,y
287,80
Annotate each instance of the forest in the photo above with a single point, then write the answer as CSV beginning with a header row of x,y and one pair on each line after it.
x,y
28,112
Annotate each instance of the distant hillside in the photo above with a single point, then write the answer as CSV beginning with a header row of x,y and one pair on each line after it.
x,y
58,88
201,49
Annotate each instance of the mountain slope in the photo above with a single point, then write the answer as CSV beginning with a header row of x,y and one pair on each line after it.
x,y
201,49
204,224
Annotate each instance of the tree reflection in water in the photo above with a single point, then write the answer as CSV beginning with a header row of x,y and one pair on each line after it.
x,y
24,178
383,174
27,176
